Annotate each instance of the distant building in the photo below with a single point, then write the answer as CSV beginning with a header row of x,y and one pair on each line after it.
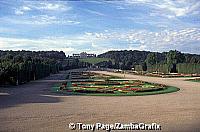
x,y
83,55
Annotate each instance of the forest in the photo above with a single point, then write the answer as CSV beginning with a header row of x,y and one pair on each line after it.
x,y
172,61
18,67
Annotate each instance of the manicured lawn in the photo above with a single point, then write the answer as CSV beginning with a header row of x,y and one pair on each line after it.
x,y
94,60
193,80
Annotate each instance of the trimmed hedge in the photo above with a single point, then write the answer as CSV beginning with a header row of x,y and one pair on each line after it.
x,y
158,67
188,68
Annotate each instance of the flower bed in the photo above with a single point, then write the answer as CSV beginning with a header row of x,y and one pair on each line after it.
x,y
113,87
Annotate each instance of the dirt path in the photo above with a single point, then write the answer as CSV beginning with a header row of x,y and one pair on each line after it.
x,y
32,107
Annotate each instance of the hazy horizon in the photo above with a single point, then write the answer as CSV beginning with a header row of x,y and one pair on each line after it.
x,y
100,26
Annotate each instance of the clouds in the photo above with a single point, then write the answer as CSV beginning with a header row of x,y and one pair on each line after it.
x,y
94,42
51,6
62,43
21,10
99,26
41,20
41,13
42,6
95,12
46,20
180,8
154,41
169,8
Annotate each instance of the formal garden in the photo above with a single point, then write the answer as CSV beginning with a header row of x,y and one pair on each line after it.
x,y
103,85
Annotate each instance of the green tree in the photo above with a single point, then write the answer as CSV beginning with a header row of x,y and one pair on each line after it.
x,y
152,59
174,57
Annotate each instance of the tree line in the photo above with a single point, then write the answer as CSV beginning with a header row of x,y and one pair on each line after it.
x,y
18,67
151,61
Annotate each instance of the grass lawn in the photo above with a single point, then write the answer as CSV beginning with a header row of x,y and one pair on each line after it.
x,y
193,80
94,60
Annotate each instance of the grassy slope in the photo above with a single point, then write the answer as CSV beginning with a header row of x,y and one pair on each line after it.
x,y
94,60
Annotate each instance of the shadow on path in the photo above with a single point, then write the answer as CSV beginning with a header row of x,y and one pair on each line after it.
x,y
32,92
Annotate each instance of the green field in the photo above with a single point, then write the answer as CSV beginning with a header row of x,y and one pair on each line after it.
x,y
94,60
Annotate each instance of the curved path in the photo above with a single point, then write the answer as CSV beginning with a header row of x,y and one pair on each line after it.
x,y
32,107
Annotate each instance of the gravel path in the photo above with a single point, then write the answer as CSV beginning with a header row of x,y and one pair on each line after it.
x,y
32,107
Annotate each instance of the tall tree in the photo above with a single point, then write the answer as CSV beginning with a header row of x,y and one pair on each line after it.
x,y
152,59
174,57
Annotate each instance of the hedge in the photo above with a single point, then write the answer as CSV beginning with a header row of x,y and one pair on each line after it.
x,y
188,68
158,67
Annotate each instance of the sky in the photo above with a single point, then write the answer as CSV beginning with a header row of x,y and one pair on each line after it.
x,y
99,26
